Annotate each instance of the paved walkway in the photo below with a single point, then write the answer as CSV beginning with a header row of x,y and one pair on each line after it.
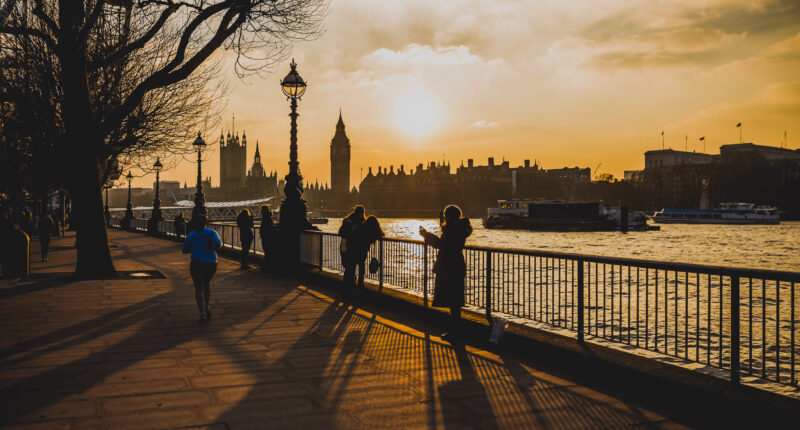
x,y
130,353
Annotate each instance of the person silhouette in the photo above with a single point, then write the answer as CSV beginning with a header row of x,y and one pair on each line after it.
x,y
245,222
348,247
264,231
202,243
46,228
180,225
450,267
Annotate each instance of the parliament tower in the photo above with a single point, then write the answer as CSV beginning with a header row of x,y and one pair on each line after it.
x,y
232,162
340,159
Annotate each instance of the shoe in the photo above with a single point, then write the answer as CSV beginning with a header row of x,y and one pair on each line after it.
x,y
451,336
208,315
203,317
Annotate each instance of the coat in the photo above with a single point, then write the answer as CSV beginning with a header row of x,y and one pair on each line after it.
x,y
245,223
450,267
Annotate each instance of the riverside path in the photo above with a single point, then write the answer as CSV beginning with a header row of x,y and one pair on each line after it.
x,y
280,352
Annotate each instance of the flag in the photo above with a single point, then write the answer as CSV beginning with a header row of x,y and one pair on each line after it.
x,y
662,132
703,138
739,125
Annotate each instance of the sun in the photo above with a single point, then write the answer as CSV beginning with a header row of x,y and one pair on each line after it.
x,y
418,114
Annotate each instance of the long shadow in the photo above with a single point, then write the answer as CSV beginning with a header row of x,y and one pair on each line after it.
x,y
153,315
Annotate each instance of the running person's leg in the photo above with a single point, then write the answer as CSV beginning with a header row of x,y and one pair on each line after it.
x,y
199,280
211,270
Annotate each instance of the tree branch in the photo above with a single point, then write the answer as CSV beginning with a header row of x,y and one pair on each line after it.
x,y
136,44
91,21
166,75
38,11
24,31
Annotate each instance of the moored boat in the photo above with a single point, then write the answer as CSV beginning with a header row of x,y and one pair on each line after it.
x,y
728,213
557,215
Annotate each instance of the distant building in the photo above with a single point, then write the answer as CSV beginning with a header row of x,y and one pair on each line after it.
x,y
340,160
669,157
424,191
232,162
769,153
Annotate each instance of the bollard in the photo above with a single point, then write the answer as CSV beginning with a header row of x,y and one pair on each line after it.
x,y
18,260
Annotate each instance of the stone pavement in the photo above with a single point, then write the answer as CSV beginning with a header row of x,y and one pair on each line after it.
x,y
279,353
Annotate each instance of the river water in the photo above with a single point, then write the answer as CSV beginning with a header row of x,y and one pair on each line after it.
x,y
774,247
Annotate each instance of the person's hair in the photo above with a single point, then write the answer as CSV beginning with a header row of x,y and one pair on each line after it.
x,y
264,208
245,211
452,212
199,223
373,228
358,209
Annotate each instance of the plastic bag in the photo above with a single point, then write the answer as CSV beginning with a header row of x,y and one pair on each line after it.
x,y
498,328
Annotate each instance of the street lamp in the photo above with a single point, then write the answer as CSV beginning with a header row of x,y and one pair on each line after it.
x,y
129,206
199,200
107,211
293,208
157,216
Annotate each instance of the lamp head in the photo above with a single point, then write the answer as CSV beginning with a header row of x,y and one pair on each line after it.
x,y
199,144
293,85
158,166
129,177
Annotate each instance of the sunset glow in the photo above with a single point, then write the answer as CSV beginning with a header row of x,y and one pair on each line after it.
x,y
417,114
567,83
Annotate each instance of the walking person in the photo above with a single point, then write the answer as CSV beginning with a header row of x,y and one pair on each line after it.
x,y
203,244
367,233
347,231
265,230
450,267
46,228
180,225
245,222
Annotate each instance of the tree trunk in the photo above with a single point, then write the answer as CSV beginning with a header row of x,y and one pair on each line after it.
x,y
84,152
94,256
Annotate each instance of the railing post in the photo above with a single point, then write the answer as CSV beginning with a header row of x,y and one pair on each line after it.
x,y
735,330
580,300
489,286
425,273
380,268
321,248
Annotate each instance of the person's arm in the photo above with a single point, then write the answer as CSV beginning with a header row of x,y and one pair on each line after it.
x,y
430,238
216,242
187,245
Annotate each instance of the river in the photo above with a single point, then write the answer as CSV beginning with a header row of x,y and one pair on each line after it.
x,y
774,247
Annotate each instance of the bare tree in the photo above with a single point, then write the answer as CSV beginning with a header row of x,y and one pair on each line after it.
x,y
119,59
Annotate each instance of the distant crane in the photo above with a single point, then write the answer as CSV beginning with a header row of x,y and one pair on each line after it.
x,y
595,171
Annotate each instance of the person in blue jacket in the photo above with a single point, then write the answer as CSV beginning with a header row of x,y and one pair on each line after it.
x,y
203,244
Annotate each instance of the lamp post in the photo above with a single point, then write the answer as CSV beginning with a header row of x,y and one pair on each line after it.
x,y
157,216
129,206
107,210
293,208
199,199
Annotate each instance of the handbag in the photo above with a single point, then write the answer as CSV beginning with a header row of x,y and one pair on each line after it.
x,y
374,265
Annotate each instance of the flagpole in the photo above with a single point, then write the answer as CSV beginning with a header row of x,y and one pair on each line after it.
x,y
662,139
686,143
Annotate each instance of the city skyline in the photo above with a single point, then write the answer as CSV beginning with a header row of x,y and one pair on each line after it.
x,y
591,85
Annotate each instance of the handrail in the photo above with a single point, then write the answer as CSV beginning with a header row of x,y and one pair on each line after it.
x,y
664,265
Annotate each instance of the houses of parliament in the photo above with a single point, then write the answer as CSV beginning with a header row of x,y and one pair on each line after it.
x,y
237,182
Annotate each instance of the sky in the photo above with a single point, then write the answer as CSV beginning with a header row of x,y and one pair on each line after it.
x,y
588,83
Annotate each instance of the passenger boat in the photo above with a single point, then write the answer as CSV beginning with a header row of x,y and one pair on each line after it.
x,y
728,213
556,215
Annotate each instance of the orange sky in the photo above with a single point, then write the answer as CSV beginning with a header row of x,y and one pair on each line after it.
x,y
577,83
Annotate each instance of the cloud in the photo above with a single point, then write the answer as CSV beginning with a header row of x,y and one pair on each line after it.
x,y
484,124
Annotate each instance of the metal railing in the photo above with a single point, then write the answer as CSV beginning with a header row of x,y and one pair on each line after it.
x,y
740,320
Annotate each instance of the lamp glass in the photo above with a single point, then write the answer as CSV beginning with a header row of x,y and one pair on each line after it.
x,y
158,166
294,89
199,144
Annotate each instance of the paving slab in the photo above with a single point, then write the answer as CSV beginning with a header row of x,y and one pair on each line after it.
x,y
280,352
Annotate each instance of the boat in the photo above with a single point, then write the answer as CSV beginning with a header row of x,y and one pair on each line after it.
x,y
728,213
316,218
557,215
